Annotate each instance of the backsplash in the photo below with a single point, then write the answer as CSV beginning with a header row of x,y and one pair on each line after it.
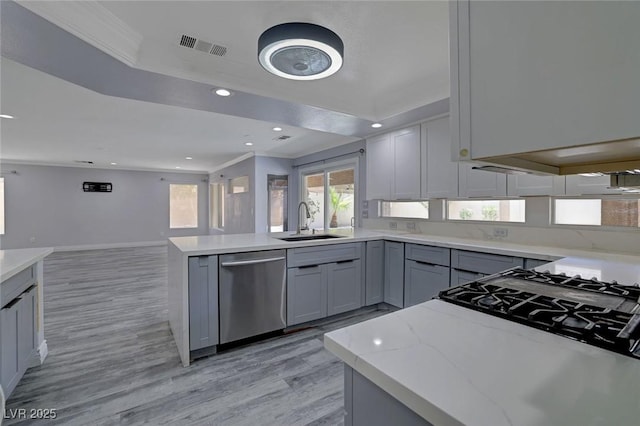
x,y
625,241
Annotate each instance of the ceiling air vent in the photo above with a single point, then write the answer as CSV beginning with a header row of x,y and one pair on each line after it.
x,y
282,138
187,41
202,45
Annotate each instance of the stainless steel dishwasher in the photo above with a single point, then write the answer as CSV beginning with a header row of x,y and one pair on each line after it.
x,y
252,294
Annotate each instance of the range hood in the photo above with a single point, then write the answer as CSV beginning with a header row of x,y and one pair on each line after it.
x,y
609,157
627,181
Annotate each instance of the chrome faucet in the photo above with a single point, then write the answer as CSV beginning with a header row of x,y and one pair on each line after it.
x,y
306,208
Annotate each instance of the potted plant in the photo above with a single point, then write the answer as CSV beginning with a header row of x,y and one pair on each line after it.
x,y
337,204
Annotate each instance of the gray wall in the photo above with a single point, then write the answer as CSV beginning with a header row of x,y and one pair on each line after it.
x,y
343,152
239,209
47,203
270,166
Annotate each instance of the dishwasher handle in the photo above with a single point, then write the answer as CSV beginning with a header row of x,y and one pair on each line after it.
x,y
252,262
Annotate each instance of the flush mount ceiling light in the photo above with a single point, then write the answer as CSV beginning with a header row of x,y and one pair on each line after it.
x,y
300,51
277,129
6,116
248,143
222,92
376,125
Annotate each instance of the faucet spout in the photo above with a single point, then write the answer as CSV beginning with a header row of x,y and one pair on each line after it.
x,y
307,214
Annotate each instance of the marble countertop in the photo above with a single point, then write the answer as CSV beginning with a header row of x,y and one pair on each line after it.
x,y
235,243
453,366
15,260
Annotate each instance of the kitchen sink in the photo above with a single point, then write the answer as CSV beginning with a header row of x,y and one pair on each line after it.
x,y
310,237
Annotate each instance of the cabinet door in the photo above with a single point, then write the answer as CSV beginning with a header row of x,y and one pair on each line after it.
x,y
525,185
306,294
9,351
203,302
406,182
459,277
589,185
344,282
439,173
379,167
481,183
374,276
423,281
26,328
394,273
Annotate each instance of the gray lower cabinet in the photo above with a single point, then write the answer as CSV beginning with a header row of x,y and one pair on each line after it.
x,y
394,273
203,302
17,338
423,281
366,404
459,277
306,293
344,286
374,276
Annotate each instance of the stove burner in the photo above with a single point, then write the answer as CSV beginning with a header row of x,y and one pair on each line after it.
x,y
600,326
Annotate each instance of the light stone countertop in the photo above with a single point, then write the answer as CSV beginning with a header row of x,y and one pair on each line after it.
x,y
452,366
15,260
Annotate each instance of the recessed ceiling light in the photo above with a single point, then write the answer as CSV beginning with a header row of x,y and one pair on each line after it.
x,y
222,92
376,125
6,116
248,143
178,167
300,51
114,164
188,158
277,129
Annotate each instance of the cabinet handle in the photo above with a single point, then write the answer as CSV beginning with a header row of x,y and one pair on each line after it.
x,y
13,302
424,263
344,261
308,266
252,262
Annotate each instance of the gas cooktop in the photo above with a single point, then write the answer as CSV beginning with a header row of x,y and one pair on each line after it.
x,y
594,312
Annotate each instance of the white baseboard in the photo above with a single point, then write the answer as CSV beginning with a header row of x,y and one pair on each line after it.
x,y
110,246
39,355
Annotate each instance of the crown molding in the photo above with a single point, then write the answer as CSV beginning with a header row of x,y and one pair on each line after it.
x,y
91,22
4,164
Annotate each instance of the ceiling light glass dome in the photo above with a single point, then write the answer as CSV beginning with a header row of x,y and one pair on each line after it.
x,y
300,51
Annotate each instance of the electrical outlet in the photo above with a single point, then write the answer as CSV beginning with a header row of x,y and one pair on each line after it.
x,y
411,226
501,232
393,225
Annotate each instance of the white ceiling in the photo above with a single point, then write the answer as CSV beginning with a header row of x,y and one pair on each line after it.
x,y
396,59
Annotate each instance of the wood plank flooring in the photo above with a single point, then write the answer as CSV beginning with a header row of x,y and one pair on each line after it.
x,y
112,359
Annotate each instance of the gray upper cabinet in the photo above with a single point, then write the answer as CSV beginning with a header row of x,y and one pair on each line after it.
x,y
306,294
203,302
374,277
379,167
481,183
439,173
406,178
344,286
423,281
394,273
525,79
590,185
393,165
528,185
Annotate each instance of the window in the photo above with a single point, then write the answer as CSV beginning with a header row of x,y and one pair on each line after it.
x,y
277,190
486,210
216,205
408,209
183,206
239,185
597,212
1,206
330,194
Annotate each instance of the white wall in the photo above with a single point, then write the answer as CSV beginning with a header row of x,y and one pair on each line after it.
x,y
47,204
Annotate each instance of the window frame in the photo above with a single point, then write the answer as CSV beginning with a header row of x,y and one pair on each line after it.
x,y
197,225
446,211
220,209
327,168
608,228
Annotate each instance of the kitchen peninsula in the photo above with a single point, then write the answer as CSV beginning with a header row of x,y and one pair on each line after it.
x,y
22,340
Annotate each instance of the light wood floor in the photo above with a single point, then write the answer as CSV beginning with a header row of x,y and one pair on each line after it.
x,y
112,359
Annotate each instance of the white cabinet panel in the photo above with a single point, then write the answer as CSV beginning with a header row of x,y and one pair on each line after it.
x,y
406,145
439,173
481,183
589,185
525,185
